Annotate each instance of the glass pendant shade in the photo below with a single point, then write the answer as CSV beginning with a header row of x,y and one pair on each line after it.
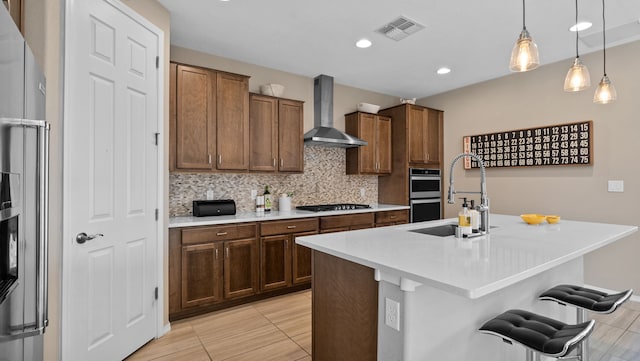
x,y
578,77
524,56
606,92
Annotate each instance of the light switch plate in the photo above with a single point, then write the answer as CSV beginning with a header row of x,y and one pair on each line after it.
x,y
615,186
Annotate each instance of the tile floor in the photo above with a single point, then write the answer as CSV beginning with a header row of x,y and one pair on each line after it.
x,y
280,329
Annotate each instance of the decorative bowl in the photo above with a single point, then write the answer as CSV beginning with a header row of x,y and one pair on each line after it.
x,y
553,219
275,90
368,108
533,218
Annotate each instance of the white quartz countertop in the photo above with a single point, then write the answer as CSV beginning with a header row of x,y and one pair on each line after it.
x,y
513,251
175,222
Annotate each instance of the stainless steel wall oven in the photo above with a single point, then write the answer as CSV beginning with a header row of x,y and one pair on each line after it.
x,y
425,194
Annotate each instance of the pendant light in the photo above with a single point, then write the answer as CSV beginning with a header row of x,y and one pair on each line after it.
x,y
524,56
578,76
606,92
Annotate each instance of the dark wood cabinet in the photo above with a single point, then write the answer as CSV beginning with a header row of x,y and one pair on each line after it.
x,y
347,222
195,118
276,127
375,157
284,263
209,120
240,268
15,10
211,265
417,134
201,274
424,135
232,121
392,218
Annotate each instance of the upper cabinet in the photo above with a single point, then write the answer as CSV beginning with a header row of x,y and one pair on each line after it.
x,y
425,127
15,10
275,137
209,120
375,157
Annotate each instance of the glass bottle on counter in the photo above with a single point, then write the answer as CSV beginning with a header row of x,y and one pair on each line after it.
x,y
267,199
464,218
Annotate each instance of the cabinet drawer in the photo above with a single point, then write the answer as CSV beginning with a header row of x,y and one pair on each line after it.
x,y
401,216
288,226
218,233
347,220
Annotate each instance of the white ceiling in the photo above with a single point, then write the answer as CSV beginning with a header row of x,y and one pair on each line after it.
x,y
473,37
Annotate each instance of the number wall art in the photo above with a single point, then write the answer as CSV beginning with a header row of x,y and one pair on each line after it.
x,y
564,144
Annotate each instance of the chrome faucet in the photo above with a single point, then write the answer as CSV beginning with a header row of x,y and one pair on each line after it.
x,y
483,208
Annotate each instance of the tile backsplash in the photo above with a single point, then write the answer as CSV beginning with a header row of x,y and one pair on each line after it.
x,y
323,181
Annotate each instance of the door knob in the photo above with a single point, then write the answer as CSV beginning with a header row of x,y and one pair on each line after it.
x,y
83,237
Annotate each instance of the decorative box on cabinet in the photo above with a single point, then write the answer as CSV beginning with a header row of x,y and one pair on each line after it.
x,y
276,134
375,157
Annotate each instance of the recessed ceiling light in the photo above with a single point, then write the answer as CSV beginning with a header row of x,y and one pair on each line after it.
x,y
443,70
363,43
583,25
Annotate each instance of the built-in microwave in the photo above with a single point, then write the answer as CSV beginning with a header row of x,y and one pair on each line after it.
x,y
424,183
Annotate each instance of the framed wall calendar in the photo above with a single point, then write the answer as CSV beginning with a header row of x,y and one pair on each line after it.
x,y
553,145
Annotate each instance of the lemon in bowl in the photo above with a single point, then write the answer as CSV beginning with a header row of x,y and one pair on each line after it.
x,y
532,218
553,219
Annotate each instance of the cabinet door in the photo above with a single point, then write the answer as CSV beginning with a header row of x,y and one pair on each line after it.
x,y
291,143
201,278
275,262
263,133
434,124
232,121
367,131
417,135
195,114
240,268
383,145
301,270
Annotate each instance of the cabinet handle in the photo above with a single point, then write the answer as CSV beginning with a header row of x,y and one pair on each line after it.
x,y
291,227
216,253
226,252
286,243
393,217
274,162
221,234
219,158
209,158
281,162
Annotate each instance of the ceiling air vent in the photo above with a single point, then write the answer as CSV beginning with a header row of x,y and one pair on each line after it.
x,y
400,28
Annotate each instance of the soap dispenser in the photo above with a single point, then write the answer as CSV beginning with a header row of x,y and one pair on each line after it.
x,y
464,218
475,218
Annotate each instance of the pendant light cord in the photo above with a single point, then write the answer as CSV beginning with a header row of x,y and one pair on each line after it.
x,y
577,55
523,17
604,42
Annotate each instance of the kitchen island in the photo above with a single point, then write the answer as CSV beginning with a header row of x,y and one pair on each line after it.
x,y
446,287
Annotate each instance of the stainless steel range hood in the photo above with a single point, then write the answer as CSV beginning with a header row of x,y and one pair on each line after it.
x,y
324,133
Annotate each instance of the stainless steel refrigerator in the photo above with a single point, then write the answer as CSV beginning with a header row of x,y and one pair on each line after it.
x,y
24,137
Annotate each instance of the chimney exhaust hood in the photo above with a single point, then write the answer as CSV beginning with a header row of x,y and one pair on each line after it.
x,y
323,132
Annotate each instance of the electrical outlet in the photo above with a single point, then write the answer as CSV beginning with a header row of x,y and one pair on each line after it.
x,y
615,186
254,194
362,192
392,314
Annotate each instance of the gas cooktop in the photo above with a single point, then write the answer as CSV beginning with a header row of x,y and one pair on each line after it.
x,y
333,207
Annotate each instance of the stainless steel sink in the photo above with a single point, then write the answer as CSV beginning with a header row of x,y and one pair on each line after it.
x,y
444,230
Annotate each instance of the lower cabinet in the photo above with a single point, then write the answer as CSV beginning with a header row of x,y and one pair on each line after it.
x,y
347,222
392,218
201,274
240,268
282,262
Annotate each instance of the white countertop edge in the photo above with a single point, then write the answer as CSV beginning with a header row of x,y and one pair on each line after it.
x,y
243,217
473,293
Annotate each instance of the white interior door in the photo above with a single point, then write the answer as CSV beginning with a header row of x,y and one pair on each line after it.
x,y
110,182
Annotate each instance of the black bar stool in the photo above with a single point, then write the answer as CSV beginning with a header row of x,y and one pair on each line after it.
x,y
538,334
585,299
